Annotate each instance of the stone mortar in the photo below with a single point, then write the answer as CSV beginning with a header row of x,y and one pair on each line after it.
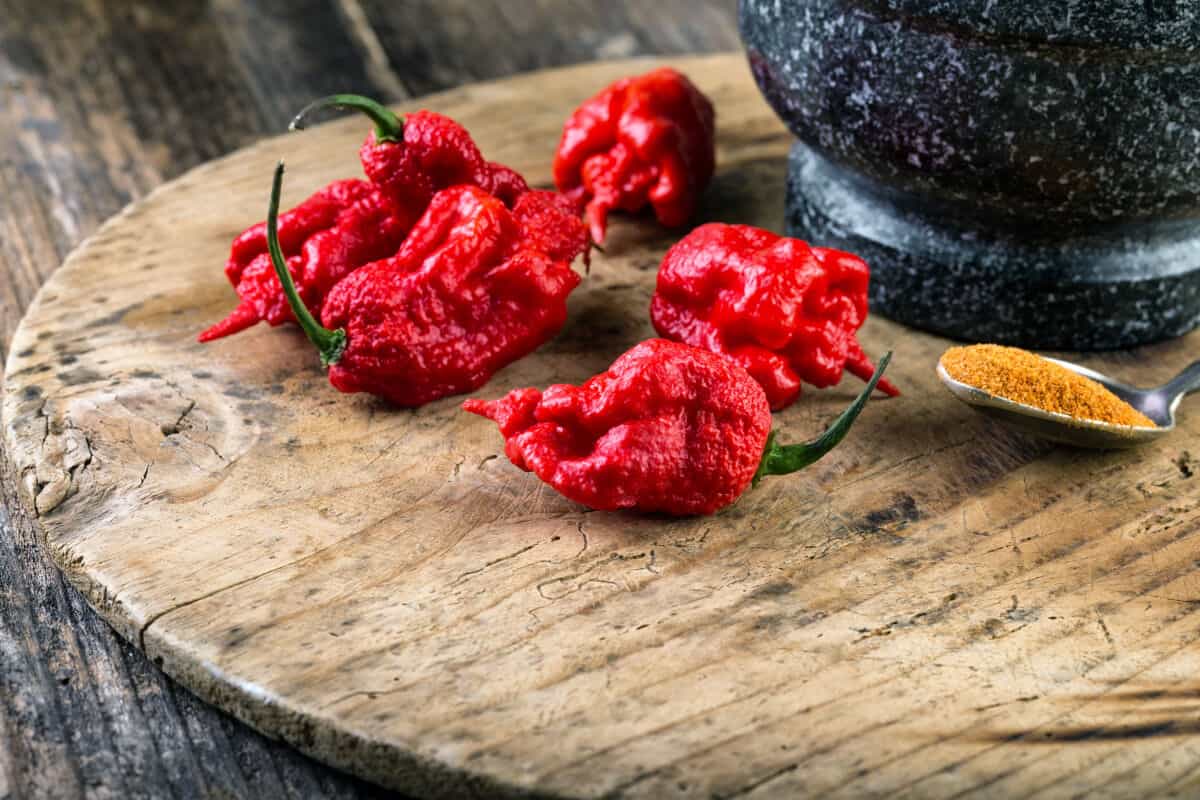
x,y
1025,172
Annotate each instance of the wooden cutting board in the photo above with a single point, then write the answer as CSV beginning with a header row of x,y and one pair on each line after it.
x,y
938,607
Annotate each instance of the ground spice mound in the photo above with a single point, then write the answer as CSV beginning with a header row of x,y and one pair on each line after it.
x,y
1024,377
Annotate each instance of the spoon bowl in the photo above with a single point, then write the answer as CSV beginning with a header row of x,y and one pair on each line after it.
x,y
1159,404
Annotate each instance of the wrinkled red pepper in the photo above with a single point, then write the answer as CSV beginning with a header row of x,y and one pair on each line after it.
x,y
332,233
647,140
413,158
351,223
785,311
668,428
473,288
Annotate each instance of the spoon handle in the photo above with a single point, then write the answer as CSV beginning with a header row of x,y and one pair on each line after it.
x,y
1185,382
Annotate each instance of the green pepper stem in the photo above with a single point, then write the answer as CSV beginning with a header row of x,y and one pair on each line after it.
x,y
785,459
330,344
388,127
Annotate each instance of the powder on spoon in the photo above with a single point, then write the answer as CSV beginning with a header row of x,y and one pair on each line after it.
x,y
1024,377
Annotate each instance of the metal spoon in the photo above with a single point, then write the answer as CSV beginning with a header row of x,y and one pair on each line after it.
x,y
1158,404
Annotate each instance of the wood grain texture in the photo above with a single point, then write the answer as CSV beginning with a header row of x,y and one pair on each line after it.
x,y
940,607
99,103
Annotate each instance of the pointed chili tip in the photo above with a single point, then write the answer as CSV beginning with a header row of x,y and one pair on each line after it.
x,y
860,366
388,126
596,218
242,317
786,459
329,343
475,406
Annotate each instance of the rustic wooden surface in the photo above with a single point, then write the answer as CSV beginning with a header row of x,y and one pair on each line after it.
x,y
941,607
101,102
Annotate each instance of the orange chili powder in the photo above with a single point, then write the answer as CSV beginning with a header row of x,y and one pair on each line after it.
x,y
1024,377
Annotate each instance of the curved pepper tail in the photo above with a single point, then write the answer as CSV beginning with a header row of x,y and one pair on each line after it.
x,y
596,217
587,254
242,317
512,413
861,367
388,127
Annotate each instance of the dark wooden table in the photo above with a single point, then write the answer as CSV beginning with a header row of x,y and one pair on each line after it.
x,y
103,101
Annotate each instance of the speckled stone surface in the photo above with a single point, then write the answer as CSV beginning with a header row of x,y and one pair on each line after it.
x,y
1024,172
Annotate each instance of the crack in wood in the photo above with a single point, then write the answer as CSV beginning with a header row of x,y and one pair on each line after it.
x,y
757,784
171,429
463,576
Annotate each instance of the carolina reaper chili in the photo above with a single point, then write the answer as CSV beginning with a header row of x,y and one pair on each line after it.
x,y
351,223
473,288
668,428
413,158
334,232
785,311
645,140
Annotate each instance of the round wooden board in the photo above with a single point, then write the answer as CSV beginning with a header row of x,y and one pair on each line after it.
x,y
940,606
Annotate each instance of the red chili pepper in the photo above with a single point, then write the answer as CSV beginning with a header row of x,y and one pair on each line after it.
x,y
785,311
668,428
647,140
351,223
473,288
332,233
414,158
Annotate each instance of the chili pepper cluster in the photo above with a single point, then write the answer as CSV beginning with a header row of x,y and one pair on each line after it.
x,y
352,223
441,268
